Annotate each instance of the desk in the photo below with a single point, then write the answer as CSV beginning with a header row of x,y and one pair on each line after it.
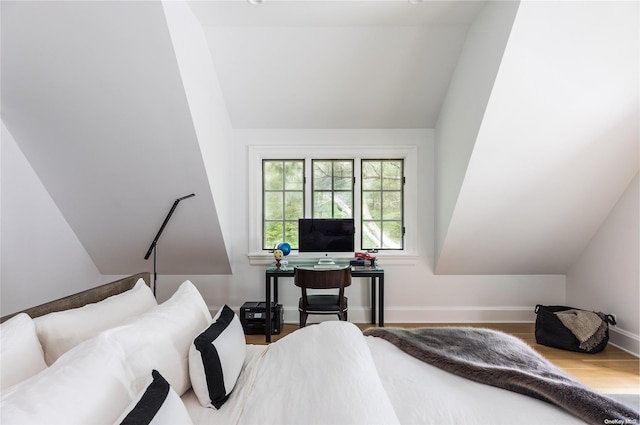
x,y
375,273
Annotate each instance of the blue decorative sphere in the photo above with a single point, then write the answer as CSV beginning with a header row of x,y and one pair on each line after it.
x,y
285,248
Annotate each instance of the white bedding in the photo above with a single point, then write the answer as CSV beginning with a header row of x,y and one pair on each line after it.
x,y
330,373
321,374
233,407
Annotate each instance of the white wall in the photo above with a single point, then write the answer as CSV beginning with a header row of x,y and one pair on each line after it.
x,y
41,257
412,292
606,277
36,238
464,105
206,104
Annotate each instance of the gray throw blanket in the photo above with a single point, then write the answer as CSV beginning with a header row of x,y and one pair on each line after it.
x,y
588,326
503,361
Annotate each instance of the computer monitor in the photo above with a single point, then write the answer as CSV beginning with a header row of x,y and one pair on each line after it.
x,y
326,235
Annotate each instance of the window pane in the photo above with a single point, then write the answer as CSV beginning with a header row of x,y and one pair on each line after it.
x,y
273,205
322,175
272,175
293,205
392,232
371,206
371,175
272,234
322,205
392,175
342,202
342,175
294,175
392,209
291,233
371,235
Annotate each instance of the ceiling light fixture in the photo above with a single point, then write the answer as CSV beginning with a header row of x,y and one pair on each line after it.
x,y
255,2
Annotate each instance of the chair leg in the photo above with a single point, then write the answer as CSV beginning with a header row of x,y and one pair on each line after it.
x,y
303,319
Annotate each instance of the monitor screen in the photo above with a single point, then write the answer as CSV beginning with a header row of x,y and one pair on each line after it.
x,y
325,234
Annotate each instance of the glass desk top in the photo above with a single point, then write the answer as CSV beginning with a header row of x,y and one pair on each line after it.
x,y
286,269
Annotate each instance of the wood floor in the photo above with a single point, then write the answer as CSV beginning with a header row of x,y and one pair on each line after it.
x,y
612,371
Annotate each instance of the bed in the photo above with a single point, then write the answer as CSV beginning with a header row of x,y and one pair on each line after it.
x,y
113,355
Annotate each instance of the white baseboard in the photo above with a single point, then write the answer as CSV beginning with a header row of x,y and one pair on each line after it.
x,y
431,315
624,340
448,314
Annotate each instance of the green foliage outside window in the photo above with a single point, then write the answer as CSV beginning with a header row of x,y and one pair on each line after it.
x,y
382,215
332,189
332,196
283,201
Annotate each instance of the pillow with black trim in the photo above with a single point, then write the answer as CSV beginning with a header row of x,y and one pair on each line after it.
x,y
159,404
216,358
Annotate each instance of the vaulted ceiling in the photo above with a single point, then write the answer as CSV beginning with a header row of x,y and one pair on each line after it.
x,y
324,64
535,106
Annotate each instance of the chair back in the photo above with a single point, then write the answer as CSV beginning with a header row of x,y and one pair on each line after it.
x,y
322,278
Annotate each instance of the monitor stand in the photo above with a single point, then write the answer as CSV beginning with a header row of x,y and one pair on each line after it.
x,y
326,261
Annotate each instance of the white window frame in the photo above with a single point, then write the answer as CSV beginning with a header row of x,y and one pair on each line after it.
x,y
408,153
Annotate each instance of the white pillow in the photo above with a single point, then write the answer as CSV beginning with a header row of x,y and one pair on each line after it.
x,y
160,338
21,354
158,404
89,384
61,331
216,358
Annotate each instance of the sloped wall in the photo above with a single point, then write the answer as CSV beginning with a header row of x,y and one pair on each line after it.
x,y
464,106
606,277
556,147
206,104
41,257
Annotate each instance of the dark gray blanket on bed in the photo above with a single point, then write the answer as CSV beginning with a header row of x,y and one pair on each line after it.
x,y
503,361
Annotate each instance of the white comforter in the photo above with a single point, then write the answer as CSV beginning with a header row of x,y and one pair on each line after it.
x,y
331,374
318,375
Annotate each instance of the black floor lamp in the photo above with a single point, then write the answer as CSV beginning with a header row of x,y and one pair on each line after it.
x,y
154,244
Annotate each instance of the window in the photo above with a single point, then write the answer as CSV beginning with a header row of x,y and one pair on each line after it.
x,y
382,204
380,215
282,201
377,184
332,188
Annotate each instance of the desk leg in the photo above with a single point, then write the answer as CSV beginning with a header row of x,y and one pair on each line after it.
x,y
373,300
275,290
381,300
267,328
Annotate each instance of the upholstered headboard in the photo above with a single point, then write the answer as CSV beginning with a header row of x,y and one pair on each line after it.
x,y
83,298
